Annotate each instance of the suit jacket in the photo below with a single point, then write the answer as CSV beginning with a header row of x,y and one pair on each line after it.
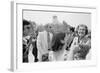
x,y
42,43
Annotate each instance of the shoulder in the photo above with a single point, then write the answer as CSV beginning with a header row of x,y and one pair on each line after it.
x,y
60,35
41,33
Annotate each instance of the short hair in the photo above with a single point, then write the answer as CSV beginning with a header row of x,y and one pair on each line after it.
x,y
86,28
54,16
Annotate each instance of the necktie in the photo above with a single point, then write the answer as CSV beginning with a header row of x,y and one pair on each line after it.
x,y
48,40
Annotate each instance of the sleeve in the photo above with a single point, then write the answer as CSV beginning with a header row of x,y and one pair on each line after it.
x,y
71,52
39,46
51,37
39,42
74,43
70,55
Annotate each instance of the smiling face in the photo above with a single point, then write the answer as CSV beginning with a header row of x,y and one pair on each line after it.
x,y
82,31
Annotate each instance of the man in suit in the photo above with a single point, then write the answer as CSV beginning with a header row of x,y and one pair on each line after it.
x,y
43,43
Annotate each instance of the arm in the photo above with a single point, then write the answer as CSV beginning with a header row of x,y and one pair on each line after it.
x,y
39,47
39,43
74,47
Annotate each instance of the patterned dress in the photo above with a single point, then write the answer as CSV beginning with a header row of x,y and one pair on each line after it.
x,y
81,46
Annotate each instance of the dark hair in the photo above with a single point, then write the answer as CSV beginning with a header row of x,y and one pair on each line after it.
x,y
72,29
56,41
25,22
86,29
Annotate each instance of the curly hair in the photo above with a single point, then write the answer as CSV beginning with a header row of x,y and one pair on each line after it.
x,y
83,25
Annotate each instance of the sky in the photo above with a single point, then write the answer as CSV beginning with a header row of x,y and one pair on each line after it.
x,y
73,19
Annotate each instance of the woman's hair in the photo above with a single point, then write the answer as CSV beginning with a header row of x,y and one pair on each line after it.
x,y
83,25
56,42
72,29
25,22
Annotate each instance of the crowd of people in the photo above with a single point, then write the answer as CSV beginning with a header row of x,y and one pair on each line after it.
x,y
55,42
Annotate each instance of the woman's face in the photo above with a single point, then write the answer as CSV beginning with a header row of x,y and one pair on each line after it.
x,y
27,29
81,31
